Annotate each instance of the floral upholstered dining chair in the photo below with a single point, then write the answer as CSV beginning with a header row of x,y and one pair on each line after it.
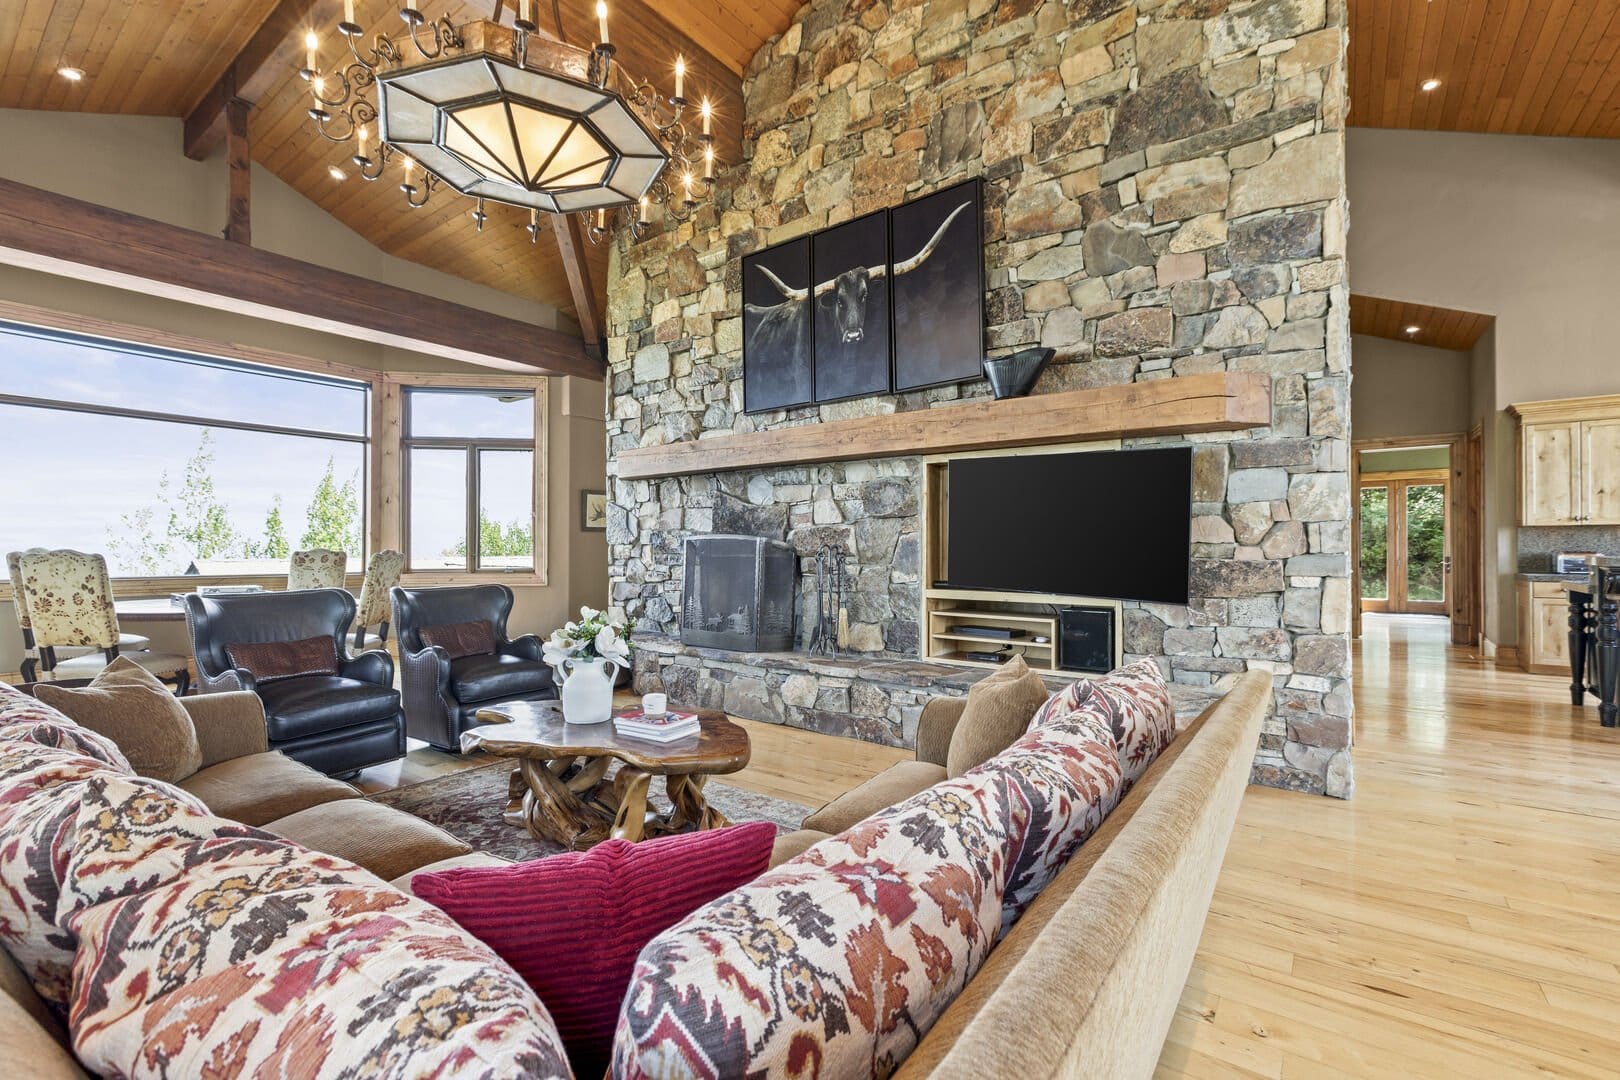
x,y
382,574
19,605
317,568
70,607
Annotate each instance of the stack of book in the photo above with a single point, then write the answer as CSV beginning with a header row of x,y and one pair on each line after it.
x,y
635,724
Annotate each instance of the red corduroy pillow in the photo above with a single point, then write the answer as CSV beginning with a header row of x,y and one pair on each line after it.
x,y
573,924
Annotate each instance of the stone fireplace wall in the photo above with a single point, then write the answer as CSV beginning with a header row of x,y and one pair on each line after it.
x,y
1164,195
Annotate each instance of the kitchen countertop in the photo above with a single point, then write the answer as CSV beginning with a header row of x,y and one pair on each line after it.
x,y
1549,576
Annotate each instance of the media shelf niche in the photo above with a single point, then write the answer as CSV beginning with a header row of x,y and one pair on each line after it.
x,y
955,621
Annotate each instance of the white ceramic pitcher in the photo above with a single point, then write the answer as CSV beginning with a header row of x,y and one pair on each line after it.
x,y
587,690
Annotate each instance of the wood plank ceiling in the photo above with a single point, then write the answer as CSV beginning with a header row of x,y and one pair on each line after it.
x,y
1442,328
1547,67
1521,67
160,57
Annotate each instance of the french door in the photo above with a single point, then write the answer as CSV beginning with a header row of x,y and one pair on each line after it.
x,y
1405,551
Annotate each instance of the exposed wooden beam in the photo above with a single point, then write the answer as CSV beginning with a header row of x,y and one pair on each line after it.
x,y
269,53
238,153
42,230
1222,401
570,234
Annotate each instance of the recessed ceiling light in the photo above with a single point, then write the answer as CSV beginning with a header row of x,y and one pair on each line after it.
x,y
1429,84
71,74
1413,329
336,173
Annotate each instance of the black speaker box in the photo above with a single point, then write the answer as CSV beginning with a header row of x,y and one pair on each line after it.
x,y
1086,639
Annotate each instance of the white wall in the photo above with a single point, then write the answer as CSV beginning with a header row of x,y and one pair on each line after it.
x,y
1520,227
135,164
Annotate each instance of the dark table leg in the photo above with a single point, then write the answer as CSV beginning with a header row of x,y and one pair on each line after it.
x,y
1577,648
1608,659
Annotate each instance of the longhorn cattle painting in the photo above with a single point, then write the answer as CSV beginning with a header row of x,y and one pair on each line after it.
x,y
777,371
892,301
851,334
938,294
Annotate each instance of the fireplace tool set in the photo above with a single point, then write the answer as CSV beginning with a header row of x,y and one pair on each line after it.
x,y
832,618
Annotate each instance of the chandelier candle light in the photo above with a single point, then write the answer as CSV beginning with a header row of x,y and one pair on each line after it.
x,y
514,115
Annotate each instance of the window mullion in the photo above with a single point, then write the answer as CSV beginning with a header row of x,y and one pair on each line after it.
x,y
475,553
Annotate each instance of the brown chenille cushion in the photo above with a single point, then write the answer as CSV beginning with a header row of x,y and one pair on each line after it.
x,y
269,661
461,639
127,704
999,709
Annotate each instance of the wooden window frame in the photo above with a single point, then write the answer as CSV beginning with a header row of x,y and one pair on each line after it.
x,y
118,334
392,496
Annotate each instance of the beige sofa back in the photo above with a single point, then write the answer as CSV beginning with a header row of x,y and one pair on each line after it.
x,y
1089,978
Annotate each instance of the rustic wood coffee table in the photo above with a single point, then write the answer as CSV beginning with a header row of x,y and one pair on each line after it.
x,y
561,791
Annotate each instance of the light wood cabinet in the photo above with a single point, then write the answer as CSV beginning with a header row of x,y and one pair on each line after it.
x,y
1543,628
1552,471
1569,453
1600,471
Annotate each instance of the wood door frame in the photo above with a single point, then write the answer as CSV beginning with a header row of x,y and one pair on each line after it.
x,y
1464,526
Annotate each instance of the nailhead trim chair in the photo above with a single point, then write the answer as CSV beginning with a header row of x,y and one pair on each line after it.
x,y
338,723
443,694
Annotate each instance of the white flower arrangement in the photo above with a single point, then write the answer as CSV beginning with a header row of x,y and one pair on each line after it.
x,y
593,637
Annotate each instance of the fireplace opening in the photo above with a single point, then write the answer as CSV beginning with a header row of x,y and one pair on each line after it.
x,y
738,593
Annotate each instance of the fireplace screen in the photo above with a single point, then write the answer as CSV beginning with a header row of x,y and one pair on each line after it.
x,y
739,594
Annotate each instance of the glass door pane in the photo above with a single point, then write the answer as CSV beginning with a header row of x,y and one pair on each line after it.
x,y
438,505
1375,543
1425,542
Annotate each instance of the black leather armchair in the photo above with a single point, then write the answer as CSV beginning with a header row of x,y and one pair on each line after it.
x,y
339,723
443,694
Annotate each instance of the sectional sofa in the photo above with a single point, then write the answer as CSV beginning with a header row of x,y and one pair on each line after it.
x,y
1087,977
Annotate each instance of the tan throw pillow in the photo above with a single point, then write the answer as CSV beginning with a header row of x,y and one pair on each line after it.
x,y
128,705
999,709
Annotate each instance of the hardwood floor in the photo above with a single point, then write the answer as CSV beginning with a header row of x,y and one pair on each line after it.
x,y
1459,917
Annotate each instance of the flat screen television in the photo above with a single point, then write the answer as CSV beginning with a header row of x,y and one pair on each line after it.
x,y
1109,523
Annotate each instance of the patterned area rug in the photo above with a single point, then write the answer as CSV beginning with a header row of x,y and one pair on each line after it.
x,y
468,806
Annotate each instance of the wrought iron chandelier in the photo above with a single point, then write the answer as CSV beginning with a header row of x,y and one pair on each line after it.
x,y
514,115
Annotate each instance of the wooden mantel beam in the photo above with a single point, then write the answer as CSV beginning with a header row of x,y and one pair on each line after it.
x,y
272,50
42,230
1222,401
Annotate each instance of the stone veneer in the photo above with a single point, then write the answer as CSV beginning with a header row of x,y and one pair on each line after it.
x,y
1164,196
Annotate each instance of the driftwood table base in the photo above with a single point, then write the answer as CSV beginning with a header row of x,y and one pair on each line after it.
x,y
561,791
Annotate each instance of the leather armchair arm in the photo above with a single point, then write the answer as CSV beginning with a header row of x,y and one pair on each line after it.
x,y
229,725
375,667
425,686
231,680
527,647
935,727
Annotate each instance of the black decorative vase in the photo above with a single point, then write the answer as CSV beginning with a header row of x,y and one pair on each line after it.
x,y
1014,375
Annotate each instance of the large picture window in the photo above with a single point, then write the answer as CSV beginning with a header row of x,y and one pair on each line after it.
x,y
174,463
469,479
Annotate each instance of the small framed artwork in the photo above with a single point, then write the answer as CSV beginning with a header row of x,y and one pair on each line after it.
x,y
778,362
593,511
937,287
850,266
